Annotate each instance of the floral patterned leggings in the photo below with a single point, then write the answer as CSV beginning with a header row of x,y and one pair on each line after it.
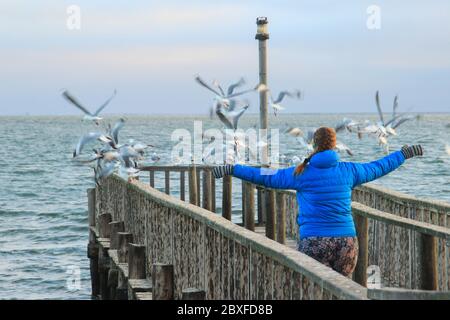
x,y
340,254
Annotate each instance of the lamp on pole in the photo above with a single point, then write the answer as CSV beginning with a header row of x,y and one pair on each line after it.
x,y
262,35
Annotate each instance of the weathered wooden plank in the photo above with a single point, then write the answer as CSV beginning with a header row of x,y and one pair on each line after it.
x,y
162,281
152,179
193,294
297,288
281,217
193,182
136,261
362,229
227,197
429,263
182,185
167,181
213,264
270,214
207,196
226,278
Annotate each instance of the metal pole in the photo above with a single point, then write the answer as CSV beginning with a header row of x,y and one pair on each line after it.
x,y
262,36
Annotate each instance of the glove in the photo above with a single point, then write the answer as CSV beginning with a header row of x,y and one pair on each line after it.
x,y
221,171
412,151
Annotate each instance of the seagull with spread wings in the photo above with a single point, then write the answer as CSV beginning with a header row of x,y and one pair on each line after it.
x,y
88,116
276,103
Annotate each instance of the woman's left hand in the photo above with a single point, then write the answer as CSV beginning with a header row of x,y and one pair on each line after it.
x,y
221,171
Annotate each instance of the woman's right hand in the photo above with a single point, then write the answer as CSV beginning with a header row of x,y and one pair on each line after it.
x,y
221,171
412,151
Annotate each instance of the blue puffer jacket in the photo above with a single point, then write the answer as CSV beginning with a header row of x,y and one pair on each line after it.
x,y
324,189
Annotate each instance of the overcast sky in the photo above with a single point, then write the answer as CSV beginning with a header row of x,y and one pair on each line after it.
x,y
151,50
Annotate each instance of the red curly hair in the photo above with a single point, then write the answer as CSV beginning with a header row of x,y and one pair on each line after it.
x,y
324,139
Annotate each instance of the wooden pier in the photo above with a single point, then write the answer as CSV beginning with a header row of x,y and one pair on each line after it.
x,y
150,241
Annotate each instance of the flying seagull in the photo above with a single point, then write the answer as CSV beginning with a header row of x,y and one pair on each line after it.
x,y
230,119
275,103
88,116
91,136
224,98
114,131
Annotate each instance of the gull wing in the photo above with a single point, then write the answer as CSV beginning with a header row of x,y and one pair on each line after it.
x,y
394,107
204,84
259,87
115,130
380,113
105,104
84,140
235,85
224,119
281,96
217,84
399,122
236,115
75,102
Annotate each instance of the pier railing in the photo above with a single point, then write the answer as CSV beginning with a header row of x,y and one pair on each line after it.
x,y
203,250
404,238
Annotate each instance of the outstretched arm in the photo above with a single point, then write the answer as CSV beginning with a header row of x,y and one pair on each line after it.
x,y
271,178
366,172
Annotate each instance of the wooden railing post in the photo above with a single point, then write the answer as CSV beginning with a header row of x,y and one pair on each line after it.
x,y
207,197
198,186
136,261
167,181
249,206
113,280
182,185
362,231
115,227
213,193
243,201
104,229
270,214
261,206
162,281
122,252
152,178
227,196
281,217
193,185
193,294
429,272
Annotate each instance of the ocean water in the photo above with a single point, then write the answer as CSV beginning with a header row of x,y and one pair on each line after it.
x,y
43,205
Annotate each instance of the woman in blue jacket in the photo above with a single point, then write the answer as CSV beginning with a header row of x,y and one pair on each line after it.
x,y
324,187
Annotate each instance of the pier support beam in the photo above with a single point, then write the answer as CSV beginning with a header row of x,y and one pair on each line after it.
x,y
162,281
281,217
193,294
429,272
227,197
270,214
362,231
104,229
193,185
92,250
122,252
207,194
249,206
136,261
115,228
